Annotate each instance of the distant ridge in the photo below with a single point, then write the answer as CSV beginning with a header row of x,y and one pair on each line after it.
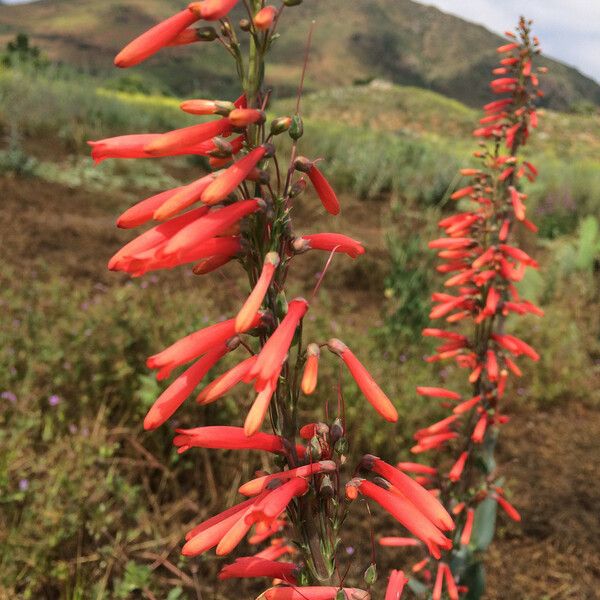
x,y
355,41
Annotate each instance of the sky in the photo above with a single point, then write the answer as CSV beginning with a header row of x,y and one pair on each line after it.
x,y
569,30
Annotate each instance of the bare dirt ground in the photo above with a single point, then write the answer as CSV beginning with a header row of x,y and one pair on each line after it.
x,y
550,457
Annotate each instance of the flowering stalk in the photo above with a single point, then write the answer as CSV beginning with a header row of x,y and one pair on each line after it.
x,y
242,211
483,263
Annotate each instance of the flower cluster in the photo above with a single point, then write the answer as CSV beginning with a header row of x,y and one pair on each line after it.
x,y
241,210
480,256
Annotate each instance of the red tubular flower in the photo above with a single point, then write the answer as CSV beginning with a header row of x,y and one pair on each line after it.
x,y
212,224
313,593
450,583
413,492
132,146
465,536
181,198
395,586
254,301
213,10
410,516
154,39
372,392
324,191
331,242
258,411
258,485
251,566
174,141
172,398
264,18
439,427
263,531
193,345
228,180
479,429
240,117
398,542
276,501
458,467
466,191
270,360
416,468
311,369
439,582
143,211
508,508
223,384
433,441
437,392
227,438
204,107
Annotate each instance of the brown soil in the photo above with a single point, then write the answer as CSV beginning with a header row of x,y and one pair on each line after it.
x,y
550,457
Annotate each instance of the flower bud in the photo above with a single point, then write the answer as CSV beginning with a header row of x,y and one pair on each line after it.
x,y
264,18
280,125
326,488
206,34
337,430
341,446
298,188
292,2
370,575
245,24
223,149
302,164
314,448
297,127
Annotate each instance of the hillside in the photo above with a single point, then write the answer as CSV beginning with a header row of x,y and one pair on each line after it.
x,y
398,40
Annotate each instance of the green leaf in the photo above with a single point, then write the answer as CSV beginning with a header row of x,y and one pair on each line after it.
x,y
484,524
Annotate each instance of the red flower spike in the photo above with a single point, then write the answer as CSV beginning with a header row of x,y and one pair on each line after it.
x,y
413,492
313,593
155,39
270,360
254,301
258,485
194,344
465,536
458,467
398,542
251,566
174,396
409,515
311,369
372,392
212,10
227,181
264,18
331,242
395,586
174,141
223,384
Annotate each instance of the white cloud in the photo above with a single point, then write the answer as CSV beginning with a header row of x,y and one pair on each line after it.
x,y
568,31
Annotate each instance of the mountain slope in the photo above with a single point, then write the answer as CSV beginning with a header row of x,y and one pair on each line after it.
x,y
399,40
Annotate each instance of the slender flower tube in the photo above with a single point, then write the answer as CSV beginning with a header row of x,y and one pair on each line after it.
x,y
264,18
176,140
223,384
155,39
372,392
143,211
331,242
227,438
395,586
212,224
408,515
437,392
258,411
322,187
450,583
311,369
213,10
314,593
228,180
251,566
270,360
398,542
276,500
241,117
193,345
413,492
174,396
255,299
465,536
458,467
182,198
258,485
207,107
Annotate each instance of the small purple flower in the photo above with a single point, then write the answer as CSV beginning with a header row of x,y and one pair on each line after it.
x,y
350,550
10,396
72,428
54,400
24,485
